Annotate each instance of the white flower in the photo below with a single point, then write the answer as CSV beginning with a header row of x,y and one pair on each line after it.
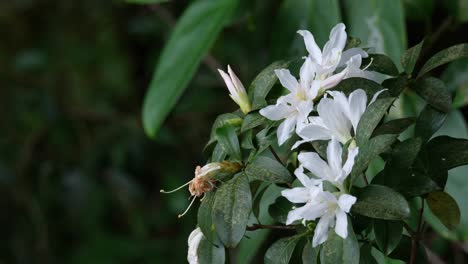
x,y
193,242
334,171
330,208
332,58
236,90
296,106
338,117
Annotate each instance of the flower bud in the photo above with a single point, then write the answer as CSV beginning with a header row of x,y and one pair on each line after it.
x,y
236,90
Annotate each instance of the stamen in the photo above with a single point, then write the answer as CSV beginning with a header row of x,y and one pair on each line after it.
x,y
186,210
368,65
176,189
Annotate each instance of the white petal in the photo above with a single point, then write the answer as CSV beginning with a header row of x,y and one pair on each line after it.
x,y
314,89
346,201
304,179
312,132
285,129
296,214
333,80
276,112
341,227
287,80
337,39
348,166
296,195
311,45
228,81
334,119
237,83
193,243
315,211
312,162
349,53
334,152
376,95
307,73
321,230
357,106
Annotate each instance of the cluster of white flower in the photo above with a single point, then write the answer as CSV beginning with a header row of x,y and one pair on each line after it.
x,y
337,121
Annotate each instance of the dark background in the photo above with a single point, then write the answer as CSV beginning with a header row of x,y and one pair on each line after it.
x,y
79,179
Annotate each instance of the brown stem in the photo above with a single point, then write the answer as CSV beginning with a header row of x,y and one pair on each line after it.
x,y
365,178
258,226
415,239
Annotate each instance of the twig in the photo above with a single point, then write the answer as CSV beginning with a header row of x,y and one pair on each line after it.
x,y
258,226
415,239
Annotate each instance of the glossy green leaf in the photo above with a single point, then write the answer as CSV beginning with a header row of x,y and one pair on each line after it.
x,y
377,201
281,251
371,118
404,153
445,208
204,216
456,79
294,15
411,56
258,198
380,63
403,251
428,122
219,153
370,151
452,152
366,255
267,169
222,120
396,85
387,234
339,250
379,24
231,210
209,252
252,120
309,254
444,56
227,137
349,85
262,84
192,37
279,209
435,93
396,126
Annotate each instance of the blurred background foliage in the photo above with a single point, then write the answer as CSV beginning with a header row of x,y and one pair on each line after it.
x,y
80,180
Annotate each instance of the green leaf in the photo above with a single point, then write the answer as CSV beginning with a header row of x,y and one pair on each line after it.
x,y
396,85
404,153
366,255
309,254
258,199
377,201
370,151
428,122
458,9
210,253
262,84
403,251
452,152
219,153
204,218
252,120
231,210
146,2
279,209
339,250
222,120
192,37
302,14
281,251
267,169
247,140
227,137
387,234
396,126
444,56
433,90
349,85
380,63
371,118
445,208
379,24
411,56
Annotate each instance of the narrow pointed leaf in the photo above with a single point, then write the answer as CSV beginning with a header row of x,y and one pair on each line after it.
x,y
262,84
227,137
371,118
380,63
267,169
387,234
339,250
310,254
452,152
444,56
428,122
281,251
192,37
396,126
435,92
410,57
